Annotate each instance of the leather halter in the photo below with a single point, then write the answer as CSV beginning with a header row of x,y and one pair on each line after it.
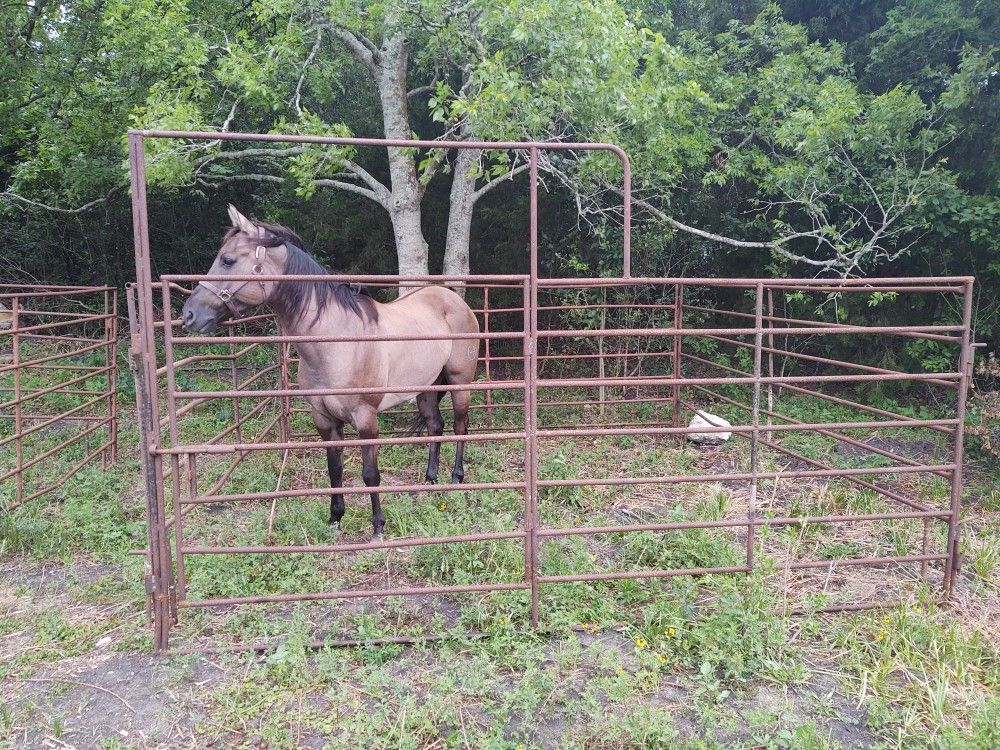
x,y
226,294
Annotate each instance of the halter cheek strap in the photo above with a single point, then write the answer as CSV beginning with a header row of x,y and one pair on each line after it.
x,y
227,293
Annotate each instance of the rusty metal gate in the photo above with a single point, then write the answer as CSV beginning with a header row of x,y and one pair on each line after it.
x,y
539,368
58,385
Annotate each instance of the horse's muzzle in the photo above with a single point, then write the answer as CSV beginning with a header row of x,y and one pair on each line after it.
x,y
200,316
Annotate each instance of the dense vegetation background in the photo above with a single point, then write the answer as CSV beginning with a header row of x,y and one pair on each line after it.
x,y
832,137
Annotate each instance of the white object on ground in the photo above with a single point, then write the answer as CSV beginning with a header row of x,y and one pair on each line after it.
x,y
703,419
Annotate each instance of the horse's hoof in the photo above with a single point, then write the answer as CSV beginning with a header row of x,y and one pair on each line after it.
x,y
378,537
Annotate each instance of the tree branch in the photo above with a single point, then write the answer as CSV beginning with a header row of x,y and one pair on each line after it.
x,y
361,49
376,186
350,187
278,180
497,180
773,245
297,101
420,90
14,197
248,153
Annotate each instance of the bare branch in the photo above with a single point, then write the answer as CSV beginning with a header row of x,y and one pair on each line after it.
x,y
14,197
361,49
305,67
773,245
421,90
497,180
278,180
350,187
247,153
361,173
375,190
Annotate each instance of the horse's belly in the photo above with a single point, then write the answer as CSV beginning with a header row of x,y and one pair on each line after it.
x,y
390,400
413,365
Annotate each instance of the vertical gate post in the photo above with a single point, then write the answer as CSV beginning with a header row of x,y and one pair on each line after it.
x,y
285,420
770,361
953,560
486,353
602,392
758,338
234,379
15,322
113,353
175,459
159,583
531,386
675,396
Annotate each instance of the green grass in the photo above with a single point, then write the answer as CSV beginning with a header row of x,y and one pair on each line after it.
x,y
708,662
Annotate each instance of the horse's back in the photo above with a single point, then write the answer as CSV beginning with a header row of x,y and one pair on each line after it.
x,y
440,303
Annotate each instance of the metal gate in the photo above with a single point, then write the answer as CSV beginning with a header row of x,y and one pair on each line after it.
x,y
661,365
58,385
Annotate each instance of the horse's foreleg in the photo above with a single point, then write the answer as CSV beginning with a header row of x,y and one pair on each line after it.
x,y
427,403
460,402
368,430
335,468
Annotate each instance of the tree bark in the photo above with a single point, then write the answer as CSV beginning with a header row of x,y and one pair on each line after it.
x,y
404,202
463,200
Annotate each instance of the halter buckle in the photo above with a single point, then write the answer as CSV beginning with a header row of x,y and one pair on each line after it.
x,y
225,295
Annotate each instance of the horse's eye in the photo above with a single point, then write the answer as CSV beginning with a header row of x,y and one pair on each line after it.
x,y
229,262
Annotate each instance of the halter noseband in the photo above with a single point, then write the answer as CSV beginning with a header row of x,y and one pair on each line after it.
x,y
226,294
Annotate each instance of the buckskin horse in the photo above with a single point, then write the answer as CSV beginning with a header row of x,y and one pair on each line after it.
x,y
326,308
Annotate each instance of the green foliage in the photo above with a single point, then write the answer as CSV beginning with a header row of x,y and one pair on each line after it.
x,y
841,138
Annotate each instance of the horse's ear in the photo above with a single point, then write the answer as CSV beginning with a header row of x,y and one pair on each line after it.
x,y
240,221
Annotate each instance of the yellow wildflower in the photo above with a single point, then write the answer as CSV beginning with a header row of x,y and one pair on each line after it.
x,y
640,643
671,632
442,506
661,658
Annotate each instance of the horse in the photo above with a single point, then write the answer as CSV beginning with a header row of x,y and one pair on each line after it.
x,y
325,308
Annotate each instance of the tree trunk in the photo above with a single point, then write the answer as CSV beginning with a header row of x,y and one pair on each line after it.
x,y
404,202
463,199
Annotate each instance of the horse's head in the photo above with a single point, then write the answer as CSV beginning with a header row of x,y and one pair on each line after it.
x,y
249,249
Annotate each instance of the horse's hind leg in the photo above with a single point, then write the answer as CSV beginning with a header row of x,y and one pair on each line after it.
x,y
460,402
427,403
367,428
335,468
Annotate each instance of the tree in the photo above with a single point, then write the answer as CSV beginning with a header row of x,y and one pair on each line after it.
x,y
761,119
294,57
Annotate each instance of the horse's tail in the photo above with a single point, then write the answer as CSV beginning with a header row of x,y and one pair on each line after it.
x,y
419,424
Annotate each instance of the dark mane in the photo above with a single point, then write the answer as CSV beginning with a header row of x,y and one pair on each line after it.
x,y
291,298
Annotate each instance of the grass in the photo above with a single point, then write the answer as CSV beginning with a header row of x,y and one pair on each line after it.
x,y
714,662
